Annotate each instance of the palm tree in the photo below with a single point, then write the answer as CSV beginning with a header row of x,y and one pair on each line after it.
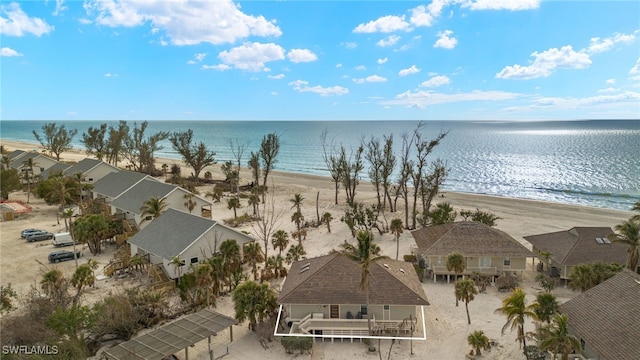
x,y
177,266
546,306
556,338
295,253
233,203
396,229
230,252
478,340
204,282
253,256
297,201
61,191
457,264
82,277
54,285
297,218
586,276
153,208
365,253
254,201
636,207
629,234
280,240
254,302
27,168
515,308
465,290
326,218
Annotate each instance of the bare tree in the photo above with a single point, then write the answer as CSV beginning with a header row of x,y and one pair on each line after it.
x,y
351,167
237,150
388,166
268,222
269,149
195,155
406,167
333,164
374,157
139,148
55,139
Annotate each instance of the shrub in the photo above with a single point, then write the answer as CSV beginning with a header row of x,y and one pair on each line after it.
x,y
294,343
410,258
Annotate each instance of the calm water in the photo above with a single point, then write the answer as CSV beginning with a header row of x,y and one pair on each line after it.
x,y
594,163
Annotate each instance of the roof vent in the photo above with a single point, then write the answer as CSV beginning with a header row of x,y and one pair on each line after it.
x,y
386,265
402,271
305,267
599,241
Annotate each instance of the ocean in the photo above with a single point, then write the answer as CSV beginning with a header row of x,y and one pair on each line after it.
x,y
592,162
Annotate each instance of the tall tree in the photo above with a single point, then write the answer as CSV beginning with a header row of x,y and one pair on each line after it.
x,y
466,291
254,165
195,155
269,149
153,207
366,252
254,302
55,139
326,218
234,203
95,141
396,229
586,276
116,145
237,150
91,230
230,252
546,306
388,166
431,183
27,170
61,190
374,156
443,214
555,337
139,148
351,166
9,182
280,240
268,222
81,278
628,233
456,263
515,308
189,203
406,167
333,163
253,256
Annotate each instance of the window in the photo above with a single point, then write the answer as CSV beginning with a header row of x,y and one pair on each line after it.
x,y
386,307
439,260
363,309
507,262
194,260
582,344
90,179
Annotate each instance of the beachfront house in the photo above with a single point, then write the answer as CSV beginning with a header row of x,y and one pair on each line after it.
x,y
188,237
579,245
40,162
58,168
129,202
92,170
114,184
321,297
605,318
486,250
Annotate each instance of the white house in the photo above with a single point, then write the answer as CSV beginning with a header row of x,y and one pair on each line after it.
x,y
189,237
92,170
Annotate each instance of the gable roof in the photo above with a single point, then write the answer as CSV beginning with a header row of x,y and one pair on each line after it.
x,y
24,156
469,238
86,164
607,316
15,153
57,168
115,183
133,199
171,233
335,279
578,246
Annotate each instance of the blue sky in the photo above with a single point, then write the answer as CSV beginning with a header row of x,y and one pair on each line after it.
x,y
319,60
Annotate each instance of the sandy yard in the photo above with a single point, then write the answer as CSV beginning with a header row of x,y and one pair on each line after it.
x,y
22,265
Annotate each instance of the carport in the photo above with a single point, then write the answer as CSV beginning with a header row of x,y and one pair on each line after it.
x,y
174,337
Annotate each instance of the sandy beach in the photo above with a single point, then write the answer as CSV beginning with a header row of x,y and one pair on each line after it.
x,y
22,263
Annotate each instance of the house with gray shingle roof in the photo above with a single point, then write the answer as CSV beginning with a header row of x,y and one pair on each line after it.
x,y
579,245
115,183
606,318
131,201
189,237
486,250
92,170
41,162
55,169
322,297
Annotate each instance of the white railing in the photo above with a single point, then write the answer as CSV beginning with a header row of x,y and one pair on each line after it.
x,y
492,270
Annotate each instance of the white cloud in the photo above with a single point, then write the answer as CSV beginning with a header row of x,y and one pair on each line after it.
x,y
608,90
9,52
301,55
389,41
18,23
200,56
501,4
185,22
611,81
636,68
252,56
338,65
426,15
110,75
546,62
361,68
219,67
191,62
59,8
370,79
408,71
436,81
350,45
385,24
572,103
422,99
303,86
382,61
598,45
445,40
276,77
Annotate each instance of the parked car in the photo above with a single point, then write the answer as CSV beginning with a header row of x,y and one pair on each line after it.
x,y
40,236
27,232
63,255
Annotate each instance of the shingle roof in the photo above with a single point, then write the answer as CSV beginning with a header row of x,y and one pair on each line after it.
x,y
15,153
468,238
115,183
24,157
607,316
59,167
578,246
132,199
171,233
335,279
